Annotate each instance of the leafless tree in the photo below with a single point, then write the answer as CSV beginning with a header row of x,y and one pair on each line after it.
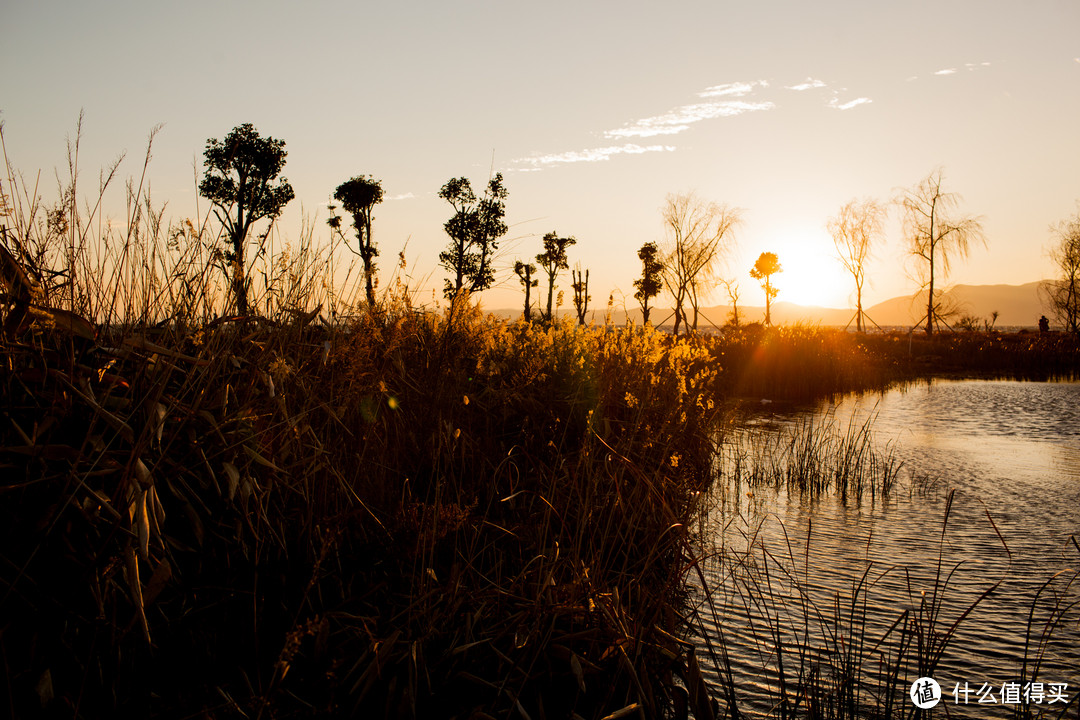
x,y
1064,291
732,289
854,231
935,234
698,234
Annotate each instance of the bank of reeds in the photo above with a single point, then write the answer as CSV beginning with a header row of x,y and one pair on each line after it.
x,y
809,457
365,512
799,364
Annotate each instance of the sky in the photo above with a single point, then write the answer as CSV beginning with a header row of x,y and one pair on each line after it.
x,y
593,111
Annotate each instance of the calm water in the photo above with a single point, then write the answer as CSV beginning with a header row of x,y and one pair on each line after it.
x,y
834,575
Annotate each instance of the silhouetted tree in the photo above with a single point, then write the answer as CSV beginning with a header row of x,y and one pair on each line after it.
x,y
732,289
474,230
854,231
766,266
580,286
696,232
239,182
1064,292
552,260
651,282
358,196
525,277
934,235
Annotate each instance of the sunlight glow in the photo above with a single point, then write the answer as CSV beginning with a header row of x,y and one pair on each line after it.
x,y
812,275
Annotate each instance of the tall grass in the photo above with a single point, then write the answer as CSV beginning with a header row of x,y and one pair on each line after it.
x,y
327,508
810,456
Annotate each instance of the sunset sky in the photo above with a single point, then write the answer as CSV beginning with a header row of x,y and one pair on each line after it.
x,y
593,111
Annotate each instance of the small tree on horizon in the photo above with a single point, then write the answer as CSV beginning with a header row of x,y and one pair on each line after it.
x,y
732,289
580,286
766,266
359,195
239,183
525,274
552,260
651,281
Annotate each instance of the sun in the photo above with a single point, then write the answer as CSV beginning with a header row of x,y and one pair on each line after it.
x,y
812,274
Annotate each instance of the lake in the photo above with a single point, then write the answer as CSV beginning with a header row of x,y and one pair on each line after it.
x,y
854,591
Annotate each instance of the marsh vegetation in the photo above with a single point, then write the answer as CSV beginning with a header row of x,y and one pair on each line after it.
x,y
327,506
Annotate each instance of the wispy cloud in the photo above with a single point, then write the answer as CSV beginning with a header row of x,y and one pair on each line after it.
x,y
836,104
946,71
681,118
976,66
591,155
403,196
810,84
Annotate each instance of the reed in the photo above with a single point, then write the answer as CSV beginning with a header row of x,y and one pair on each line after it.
x,y
782,646
810,457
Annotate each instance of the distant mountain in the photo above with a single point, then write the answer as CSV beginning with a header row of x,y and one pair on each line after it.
x,y
1017,306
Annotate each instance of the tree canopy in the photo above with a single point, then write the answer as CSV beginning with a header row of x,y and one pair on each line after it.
x,y
764,268
474,230
552,260
359,195
239,182
651,281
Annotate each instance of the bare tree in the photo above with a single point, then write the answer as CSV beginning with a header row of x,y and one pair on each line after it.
x,y
697,231
854,231
1064,292
732,289
580,286
935,234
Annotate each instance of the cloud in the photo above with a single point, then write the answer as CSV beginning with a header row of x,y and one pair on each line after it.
x,y
976,66
738,89
835,103
593,154
810,84
947,71
681,118
404,196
